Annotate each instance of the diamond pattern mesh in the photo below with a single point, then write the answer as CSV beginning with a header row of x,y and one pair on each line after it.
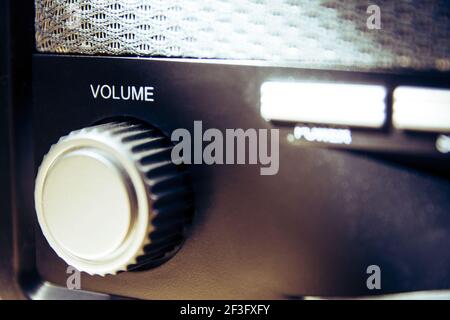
x,y
413,34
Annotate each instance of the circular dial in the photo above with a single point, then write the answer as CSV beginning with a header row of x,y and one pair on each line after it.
x,y
108,198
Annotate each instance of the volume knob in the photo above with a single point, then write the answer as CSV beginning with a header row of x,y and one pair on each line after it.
x,y
108,198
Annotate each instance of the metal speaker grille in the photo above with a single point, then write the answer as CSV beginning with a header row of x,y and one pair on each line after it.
x,y
321,33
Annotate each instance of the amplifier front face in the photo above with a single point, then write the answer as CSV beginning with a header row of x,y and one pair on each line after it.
x,y
152,173
312,226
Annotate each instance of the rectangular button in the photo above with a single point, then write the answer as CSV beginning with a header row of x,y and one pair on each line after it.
x,y
324,103
423,109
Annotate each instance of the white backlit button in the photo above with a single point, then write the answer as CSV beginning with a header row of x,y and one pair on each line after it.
x,y
421,109
344,104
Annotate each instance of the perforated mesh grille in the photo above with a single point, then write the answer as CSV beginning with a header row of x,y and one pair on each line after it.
x,y
320,33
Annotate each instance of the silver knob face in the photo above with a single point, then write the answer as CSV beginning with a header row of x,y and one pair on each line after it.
x,y
94,200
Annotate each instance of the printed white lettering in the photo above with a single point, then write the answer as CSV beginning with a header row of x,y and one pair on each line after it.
x,y
134,93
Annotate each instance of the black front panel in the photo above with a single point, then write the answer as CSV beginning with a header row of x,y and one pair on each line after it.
x,y
311,229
